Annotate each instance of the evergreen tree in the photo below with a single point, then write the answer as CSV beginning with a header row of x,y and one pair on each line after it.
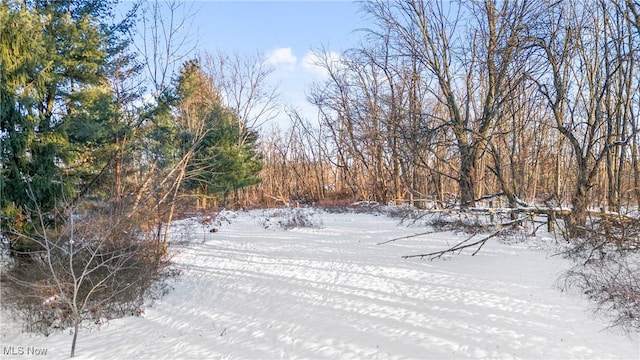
x,y
53,56
221,162
22,75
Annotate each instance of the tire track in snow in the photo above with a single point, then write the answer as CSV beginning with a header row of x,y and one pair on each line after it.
x,y
314,293
251,293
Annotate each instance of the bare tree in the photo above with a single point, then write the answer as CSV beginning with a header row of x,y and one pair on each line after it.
x,y
619,98
470,69
333,98
243,80
633,17
588,90
91,266
519,145
165,39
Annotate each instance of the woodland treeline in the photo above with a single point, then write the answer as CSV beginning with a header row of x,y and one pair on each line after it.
x,y
454,101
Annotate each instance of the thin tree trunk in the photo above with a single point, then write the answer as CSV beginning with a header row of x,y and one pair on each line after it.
x,y
636,168
118,182
76,327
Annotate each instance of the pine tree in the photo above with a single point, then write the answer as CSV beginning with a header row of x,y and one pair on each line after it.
x,y
53,56
222,163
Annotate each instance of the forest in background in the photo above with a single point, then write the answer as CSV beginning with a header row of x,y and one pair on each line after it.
x,y
112,129
453,102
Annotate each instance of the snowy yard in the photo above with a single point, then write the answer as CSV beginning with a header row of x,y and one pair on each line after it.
x,y
266,293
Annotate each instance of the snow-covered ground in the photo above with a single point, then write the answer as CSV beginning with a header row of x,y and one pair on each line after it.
x,y
266,293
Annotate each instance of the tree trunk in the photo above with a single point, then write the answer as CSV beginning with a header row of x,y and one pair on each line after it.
x,y
636,168
467,180
577,220
76,327
118,182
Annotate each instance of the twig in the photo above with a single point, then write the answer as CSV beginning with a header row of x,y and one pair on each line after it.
x,y
406,237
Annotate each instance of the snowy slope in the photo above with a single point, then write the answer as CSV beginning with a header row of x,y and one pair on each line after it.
x,y
251,292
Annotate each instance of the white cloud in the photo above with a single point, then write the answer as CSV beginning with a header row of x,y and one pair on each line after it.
x,y
315,63
282,57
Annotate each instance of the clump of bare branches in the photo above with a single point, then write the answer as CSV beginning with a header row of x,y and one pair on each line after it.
x,y
471,241
607,270
462,222
84,267
407,214
291,218
612,283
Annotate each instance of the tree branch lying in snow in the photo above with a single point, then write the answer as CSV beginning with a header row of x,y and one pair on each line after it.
x,y
406,237
463,244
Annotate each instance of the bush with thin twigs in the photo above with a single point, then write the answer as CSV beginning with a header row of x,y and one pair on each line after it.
x,y
87,267
406,213
607,270
334,205
612,283
458,223
291,218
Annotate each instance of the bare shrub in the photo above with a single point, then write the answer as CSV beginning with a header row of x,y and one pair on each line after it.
x,y
612,283
406,213
87,267
461,222
516,235
224,216
352,206
291,218
331,205
300,219
607,270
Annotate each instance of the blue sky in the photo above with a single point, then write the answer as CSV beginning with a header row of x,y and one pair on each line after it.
x,y
267,25
286,32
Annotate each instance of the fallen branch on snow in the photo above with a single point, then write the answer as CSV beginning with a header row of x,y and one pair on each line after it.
x,y
463,244
406,237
